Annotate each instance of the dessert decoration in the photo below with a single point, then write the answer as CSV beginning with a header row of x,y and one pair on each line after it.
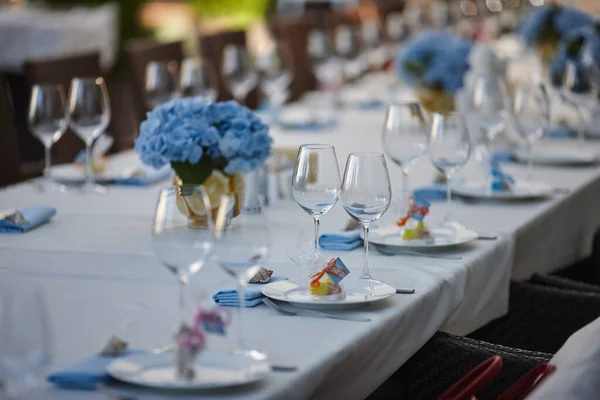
x,y
262,276
215,320
327,281
501,182
414,227
114,347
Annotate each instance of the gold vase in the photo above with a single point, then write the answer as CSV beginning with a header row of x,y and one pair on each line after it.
x,y
216,185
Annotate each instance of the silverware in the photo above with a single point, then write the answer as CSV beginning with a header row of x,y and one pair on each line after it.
x,y
110,394
283,368
163,349
388,252
482,237
310,313
405,291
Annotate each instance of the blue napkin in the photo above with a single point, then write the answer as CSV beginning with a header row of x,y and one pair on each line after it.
x,y
559,132
502,156
347,240
371,104
150,177
87,373
307,125
252,294
432,193
35,216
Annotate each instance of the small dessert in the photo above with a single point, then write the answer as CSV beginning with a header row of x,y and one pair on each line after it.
x,y
327,281
501,182
414,227
98,163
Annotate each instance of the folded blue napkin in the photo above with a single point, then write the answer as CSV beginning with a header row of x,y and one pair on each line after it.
x,y
347,240
252,294
35,216
559,132
87,373
307,125
432,192
150,177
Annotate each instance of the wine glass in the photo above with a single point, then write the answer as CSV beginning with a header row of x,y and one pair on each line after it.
x,y
182,236
276,74
89,116
242,242
375,51
405,135
161,83
449,149
366,194
26,345
580,88
328,72
47,120
347,47
316,185
239,71
531,112
395,30
197,78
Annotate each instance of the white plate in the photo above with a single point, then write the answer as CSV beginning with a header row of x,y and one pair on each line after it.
x,y
213,370
557,156
117,166
358,293
391,236
522,190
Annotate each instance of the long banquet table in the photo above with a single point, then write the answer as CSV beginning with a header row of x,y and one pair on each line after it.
x,y
96,265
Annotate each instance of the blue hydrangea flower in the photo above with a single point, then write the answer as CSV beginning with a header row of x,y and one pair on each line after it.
x,y
434,60
189,130
552,22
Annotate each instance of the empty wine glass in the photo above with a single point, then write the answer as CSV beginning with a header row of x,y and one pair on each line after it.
x,y
161,83
449,149
316,184
276,73
239,71
405,136
89,116
47,120
182,235
580,88
347,48
26,345
366,194
197,78
375,50
323,61
242,242
531,112
395,30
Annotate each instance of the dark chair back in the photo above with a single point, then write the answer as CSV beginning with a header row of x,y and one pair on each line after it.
x,y
60,71
9,147
139,54
211,47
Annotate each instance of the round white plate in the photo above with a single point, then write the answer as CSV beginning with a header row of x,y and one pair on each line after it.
x,y
391,237
558,156
521,190
213,370
358,293
117,166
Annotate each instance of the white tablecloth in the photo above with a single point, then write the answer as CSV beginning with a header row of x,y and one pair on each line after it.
x,y
31,33
95,261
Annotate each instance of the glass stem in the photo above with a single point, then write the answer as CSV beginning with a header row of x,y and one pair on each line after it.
x,y
240,325
581,129
530,161
47,159
366,273
449,196
90,164
182,287
317,222
405,188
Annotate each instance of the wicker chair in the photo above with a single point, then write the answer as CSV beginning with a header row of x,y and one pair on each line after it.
x,y
445,359
541,318
564,283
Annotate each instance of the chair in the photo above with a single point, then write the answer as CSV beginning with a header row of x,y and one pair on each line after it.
x,y
211,47
61,71
541,318
138,55
9,146
446,358
563,283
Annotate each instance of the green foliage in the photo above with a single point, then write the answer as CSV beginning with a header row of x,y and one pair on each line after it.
x,y
194,173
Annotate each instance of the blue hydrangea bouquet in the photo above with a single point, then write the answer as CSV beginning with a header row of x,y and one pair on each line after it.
x,y
435,63
204,142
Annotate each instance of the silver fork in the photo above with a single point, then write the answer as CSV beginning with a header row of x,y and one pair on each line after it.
x,y
310,313
387,252
112,395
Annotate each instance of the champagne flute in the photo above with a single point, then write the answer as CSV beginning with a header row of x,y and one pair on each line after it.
x,y
183,247
316,185
26,345
198,79
239,71
449,149
405,135
161,82
47,120
89,116
366,194
242,242
531,111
